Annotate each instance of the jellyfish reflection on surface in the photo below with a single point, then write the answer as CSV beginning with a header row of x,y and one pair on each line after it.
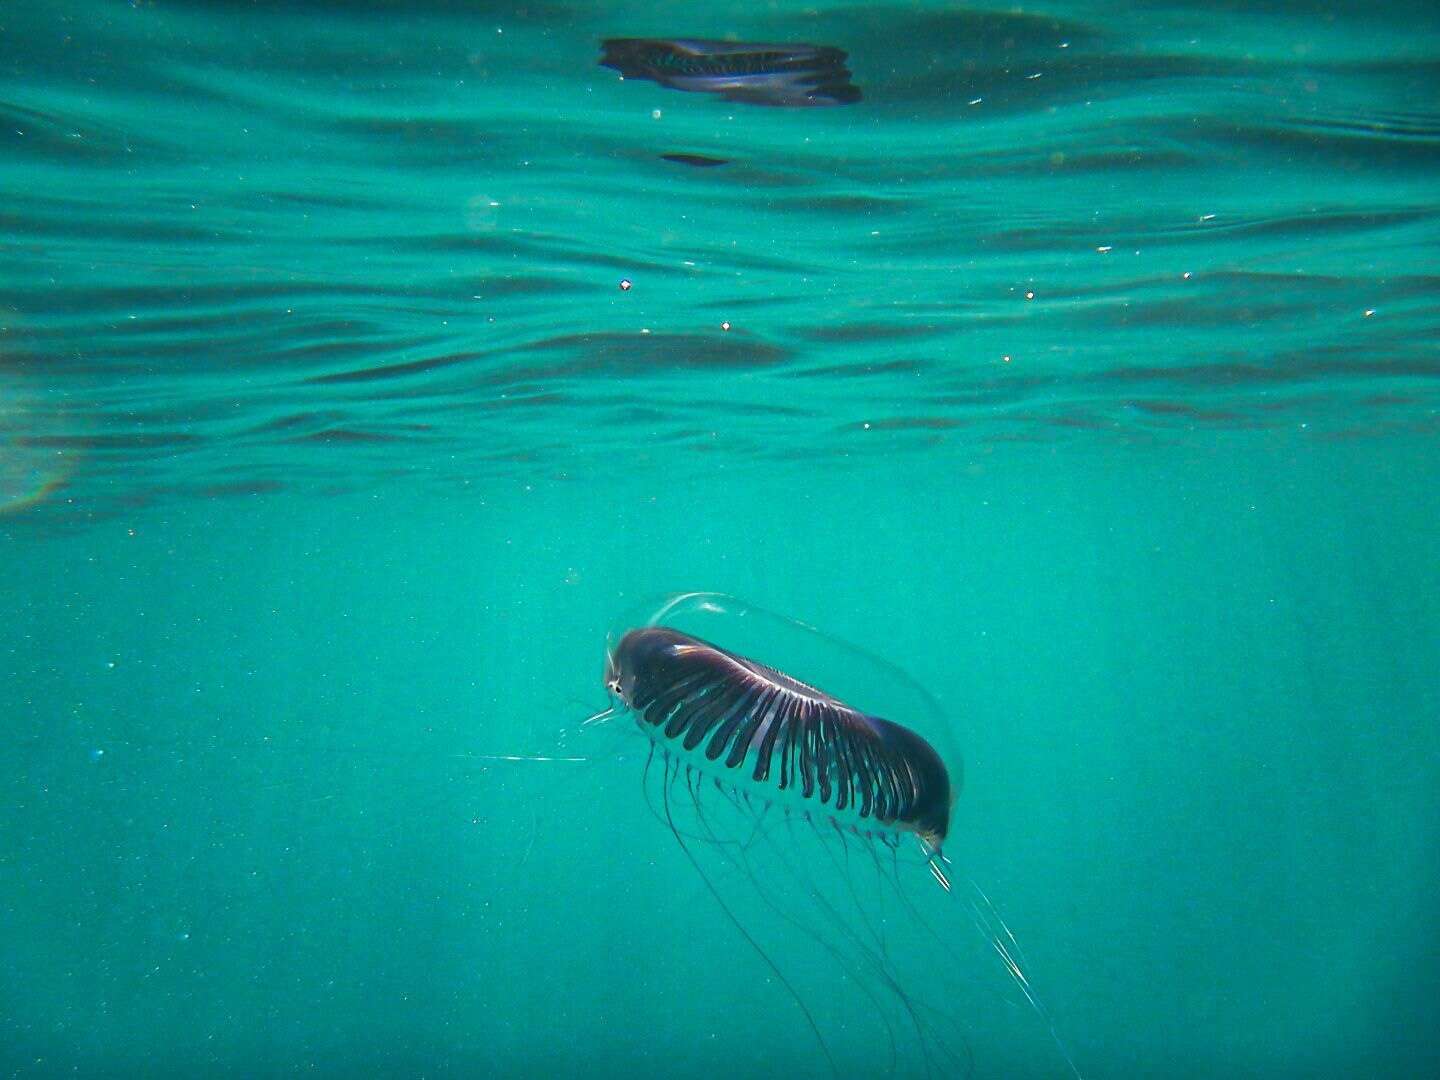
x,y
751,73
809,819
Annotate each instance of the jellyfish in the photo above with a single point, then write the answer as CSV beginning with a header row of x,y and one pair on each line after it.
x,y
815,807
755,74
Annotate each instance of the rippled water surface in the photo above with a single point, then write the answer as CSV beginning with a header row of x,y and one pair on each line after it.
x,y
304,247
360,362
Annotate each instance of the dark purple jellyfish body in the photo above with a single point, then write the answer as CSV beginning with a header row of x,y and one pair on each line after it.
x,y
735,718
757,74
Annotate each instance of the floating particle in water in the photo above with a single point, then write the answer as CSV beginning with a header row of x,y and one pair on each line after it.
x,y
1029,294
624,284
726,324
482,213
757,74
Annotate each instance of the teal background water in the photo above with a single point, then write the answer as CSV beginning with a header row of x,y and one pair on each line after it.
x,y
1087,368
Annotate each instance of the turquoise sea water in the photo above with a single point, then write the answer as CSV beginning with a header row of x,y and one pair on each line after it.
x,y
1087,368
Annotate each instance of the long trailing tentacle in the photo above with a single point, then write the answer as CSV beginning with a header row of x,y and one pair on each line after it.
x,y
599,717
740,927
1009,954
738,860
881,965
645,788
986,919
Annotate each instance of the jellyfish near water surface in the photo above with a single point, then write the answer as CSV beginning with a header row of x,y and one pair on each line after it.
x,y
809,818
